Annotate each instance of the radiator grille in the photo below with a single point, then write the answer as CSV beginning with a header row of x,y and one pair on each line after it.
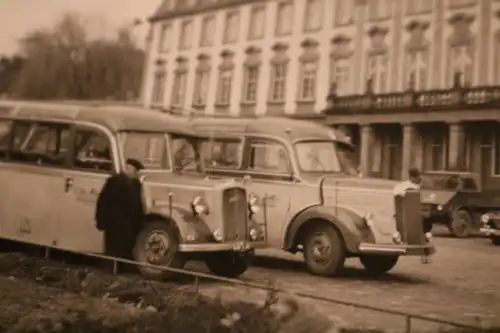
x,y
409,218
235,214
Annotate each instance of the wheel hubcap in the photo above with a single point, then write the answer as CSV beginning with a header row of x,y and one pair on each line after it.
x,y
321,248
460,225
156,247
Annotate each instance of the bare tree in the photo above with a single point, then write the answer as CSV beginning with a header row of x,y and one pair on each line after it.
x,y
64,62
10,67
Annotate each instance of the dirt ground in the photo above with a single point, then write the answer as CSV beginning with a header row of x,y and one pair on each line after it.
x,y
43,296
461,285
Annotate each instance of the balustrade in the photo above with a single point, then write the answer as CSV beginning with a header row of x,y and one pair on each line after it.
x,y
455,98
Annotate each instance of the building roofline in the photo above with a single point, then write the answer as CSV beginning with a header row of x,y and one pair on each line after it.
x,y
161,14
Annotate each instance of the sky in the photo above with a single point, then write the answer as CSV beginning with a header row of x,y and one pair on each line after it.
x,y
18,17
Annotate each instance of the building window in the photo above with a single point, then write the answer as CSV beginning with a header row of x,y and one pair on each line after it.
x,y
377,70
257,23
380,9
341,75
201,85
250,84
158,87
224,91
186,36
232,27
179,89
309,72
313,19
417,70
461,62
165,38
418,6
344,12
284,19
279,74
207,31
436,157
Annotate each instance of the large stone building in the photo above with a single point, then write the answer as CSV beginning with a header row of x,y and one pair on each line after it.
x,y
405,78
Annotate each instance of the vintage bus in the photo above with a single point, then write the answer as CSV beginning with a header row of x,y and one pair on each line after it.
x,y
55,158
306,176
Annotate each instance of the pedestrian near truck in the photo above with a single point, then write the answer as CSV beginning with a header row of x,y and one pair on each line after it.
x,y
413,183
120,211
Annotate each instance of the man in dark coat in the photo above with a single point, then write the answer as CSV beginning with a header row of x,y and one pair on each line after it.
x,y
120,210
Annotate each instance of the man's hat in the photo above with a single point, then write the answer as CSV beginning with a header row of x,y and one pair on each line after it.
x,y
135,163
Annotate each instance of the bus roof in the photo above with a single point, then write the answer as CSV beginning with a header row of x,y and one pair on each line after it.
x,y
114,117
283,127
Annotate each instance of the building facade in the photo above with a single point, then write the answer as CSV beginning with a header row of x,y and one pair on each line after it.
x,y
406,78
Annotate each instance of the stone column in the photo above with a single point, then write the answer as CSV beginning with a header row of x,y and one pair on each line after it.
x,y
456,146
366,149
409,141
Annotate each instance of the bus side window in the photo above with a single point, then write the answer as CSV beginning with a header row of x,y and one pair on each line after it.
x,y
92,151
40,143
20,133
5,129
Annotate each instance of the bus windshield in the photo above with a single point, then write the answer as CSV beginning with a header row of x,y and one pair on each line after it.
x,y
326,157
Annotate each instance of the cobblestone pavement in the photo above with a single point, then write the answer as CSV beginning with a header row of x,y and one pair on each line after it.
x,y
461,284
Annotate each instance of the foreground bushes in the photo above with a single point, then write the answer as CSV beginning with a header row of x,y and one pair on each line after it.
x,y
73,299
40,296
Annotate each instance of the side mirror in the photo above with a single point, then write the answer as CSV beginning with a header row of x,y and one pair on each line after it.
x,y
142,178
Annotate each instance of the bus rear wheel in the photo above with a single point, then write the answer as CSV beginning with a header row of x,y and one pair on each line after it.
x,y
461,224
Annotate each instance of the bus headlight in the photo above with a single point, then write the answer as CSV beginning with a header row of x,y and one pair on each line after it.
x,y
254,234
368,219
396,238
485,218
218,235
439,208
429,236
199,206
253,204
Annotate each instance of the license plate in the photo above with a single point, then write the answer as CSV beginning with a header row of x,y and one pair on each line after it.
x,y
240,246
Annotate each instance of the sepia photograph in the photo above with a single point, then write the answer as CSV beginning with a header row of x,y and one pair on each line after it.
x,y
249,166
